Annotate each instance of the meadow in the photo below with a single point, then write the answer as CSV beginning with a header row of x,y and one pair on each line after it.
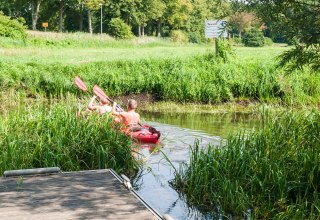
x,y
182,73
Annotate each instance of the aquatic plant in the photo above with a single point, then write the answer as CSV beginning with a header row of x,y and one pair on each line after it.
x,y
273,171
37,135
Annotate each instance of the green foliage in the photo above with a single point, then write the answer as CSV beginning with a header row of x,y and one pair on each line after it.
x,y
253,38
53,136
178,36
237,41
268,41
225,51
12,28
119,29
274,170
201,78
195,37
300,57
296,21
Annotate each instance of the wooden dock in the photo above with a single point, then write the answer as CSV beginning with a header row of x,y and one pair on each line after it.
x,y
94,194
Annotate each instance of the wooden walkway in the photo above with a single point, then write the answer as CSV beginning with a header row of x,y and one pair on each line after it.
x,y
79,195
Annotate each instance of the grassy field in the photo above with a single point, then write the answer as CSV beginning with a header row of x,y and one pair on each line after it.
x,y
48,62
70,56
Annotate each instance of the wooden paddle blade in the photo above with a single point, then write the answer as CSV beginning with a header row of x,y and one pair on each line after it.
x,y
98,91
80,84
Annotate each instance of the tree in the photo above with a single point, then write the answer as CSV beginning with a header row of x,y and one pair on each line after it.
x,y
178,12
62,4
147,10
299,22
242,21
35,8
92,5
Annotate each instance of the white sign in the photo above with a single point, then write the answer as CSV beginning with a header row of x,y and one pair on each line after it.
x,y
215,29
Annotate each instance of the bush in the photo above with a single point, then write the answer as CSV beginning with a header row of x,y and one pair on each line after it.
x,y
119,29
268,41
12,28
178,36
237,41
195,37
253,38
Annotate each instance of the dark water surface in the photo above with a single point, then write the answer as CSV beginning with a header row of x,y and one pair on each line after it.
x,y
179,132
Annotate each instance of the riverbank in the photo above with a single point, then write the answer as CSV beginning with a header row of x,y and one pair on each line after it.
x,y
271,172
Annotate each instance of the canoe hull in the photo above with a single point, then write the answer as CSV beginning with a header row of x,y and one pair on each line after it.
x,y
146,134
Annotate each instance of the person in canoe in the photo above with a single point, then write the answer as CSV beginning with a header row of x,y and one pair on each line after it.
x,y
130,119
102,108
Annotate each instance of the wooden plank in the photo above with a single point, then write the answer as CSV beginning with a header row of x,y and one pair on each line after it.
x,y
80,195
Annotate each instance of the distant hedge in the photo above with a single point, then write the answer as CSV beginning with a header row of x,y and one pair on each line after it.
x,y
12,28
253,38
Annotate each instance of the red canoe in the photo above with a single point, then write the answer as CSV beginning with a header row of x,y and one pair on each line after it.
x,y
145,134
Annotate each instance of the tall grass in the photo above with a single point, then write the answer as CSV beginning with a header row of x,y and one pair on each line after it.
x,y
196,79
79,40
33,136
274,171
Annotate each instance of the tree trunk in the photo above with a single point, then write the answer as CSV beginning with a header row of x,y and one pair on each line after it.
x,y
35,13
81,17
81,22
159,28
89,21
139,30
62,4
142,30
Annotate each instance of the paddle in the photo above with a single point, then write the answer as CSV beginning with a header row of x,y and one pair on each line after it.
x,y
98,91
80,84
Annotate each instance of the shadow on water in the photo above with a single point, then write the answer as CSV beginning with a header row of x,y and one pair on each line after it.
x,y
179,132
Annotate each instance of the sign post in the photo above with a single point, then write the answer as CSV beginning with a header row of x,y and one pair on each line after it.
x,y
215,29
45,25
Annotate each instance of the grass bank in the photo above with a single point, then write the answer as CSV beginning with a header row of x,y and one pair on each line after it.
x,y
44,134
196,79
274,171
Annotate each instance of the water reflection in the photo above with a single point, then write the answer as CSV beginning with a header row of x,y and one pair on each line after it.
x,y
179,132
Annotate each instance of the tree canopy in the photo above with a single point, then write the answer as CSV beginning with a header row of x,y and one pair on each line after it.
x,y
299,22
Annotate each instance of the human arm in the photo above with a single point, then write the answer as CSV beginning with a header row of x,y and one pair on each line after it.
x,y
90,105
114,111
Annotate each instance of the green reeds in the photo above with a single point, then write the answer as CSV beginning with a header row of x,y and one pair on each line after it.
x,y
36,136
198,79
273,171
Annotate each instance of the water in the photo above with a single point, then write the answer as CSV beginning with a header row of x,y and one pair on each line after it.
x,y
179,132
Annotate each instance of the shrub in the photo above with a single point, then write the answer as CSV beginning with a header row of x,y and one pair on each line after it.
x,y
195,37
268,41
178,36
12,28
119,29
253,38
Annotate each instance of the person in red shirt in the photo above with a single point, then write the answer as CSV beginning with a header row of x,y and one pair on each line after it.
x,y
130,119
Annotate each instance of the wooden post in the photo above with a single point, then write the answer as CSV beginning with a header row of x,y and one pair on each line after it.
x,y
216,43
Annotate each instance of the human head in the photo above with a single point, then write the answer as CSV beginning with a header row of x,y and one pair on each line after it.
x,y
132,104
